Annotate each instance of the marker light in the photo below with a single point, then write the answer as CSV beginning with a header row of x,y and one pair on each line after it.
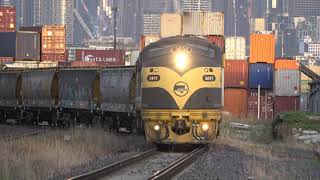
x,y
157,127
181,60
205,127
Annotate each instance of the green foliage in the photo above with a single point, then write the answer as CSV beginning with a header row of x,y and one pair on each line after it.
x,y
297,120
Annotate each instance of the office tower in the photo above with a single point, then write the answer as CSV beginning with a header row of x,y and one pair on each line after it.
x,y
304,8
196,5
151,24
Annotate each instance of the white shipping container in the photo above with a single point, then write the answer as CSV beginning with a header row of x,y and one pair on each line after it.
x,y
151,39
287,83
171,25
235,48
203,23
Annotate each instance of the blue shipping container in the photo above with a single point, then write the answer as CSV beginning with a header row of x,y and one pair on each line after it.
x,y
261,74
7,44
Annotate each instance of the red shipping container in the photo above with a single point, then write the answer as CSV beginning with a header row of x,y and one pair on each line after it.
x,y
236,74
218,40
266,104
286,104
53,57
101,57
6,59
236,102
7,19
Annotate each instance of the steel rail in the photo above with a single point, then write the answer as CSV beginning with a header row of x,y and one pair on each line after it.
x,y
177,166
109,169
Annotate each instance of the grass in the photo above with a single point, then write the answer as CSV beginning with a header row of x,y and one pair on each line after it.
x,y
298,120
43,156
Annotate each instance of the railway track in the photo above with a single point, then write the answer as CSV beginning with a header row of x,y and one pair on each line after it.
x,y
152,164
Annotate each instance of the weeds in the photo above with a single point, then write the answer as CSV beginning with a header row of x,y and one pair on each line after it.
x,y
42,156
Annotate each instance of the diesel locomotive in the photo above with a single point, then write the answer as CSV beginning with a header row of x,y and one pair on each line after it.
x,y
180,90
174,93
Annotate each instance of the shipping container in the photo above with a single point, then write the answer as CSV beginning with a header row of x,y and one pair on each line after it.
x,y
286,104
217,40
236,102
262,48
235,48
53,57
203,23
236,74
314,68
101,57
7,44
266,104
28,46
171,25
287,82
6,60
305,87
53,38
286,64
7,19
261,74
304,102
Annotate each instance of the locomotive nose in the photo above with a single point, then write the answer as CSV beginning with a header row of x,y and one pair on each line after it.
x,y
180,127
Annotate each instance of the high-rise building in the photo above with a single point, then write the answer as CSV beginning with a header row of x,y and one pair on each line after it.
x,y
151,24
257,8
196,5
304,8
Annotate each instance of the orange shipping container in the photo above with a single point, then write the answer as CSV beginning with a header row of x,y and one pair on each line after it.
x,y
236,102
262,48
286,64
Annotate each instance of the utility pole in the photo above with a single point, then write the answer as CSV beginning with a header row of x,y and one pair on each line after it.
x,y
115,10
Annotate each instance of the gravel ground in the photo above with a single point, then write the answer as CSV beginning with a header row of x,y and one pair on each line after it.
x,y
145,168
226,161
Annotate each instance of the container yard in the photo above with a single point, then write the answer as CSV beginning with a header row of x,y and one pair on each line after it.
x,y
265,110
235,48
236,102
171,25
261,74
236,74
101,57
28,46
203,23
190,95
262,48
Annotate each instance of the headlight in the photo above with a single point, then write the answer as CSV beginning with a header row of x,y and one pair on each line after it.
x,y
157,127
204,127
181,60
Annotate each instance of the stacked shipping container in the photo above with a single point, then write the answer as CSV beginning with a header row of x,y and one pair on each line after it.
x,y
52,40
261,72
236,78
7,19
99,58
287,86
